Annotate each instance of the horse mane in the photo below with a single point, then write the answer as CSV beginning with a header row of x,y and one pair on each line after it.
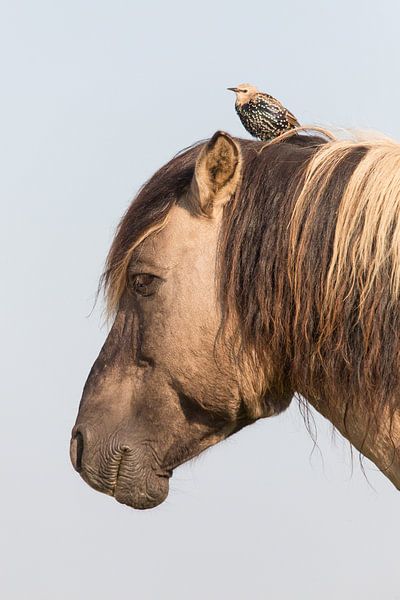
x,y
312,271
309,262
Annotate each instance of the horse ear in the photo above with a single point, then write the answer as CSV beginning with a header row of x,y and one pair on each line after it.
x,y
217,173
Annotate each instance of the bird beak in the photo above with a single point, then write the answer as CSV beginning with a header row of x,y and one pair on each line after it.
x,y
233,89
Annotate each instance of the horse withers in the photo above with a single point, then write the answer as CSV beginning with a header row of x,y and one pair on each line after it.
x,y
242,274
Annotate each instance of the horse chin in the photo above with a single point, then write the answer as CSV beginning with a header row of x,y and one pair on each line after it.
x,y
148,494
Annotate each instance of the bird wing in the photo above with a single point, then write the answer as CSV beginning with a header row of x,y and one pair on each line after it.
x,y
269,101
292,119
275,106
268,104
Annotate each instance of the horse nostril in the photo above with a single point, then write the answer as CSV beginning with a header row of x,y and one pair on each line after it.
x,y
76,451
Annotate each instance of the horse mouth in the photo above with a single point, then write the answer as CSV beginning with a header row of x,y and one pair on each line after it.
x,y
140,487
130,476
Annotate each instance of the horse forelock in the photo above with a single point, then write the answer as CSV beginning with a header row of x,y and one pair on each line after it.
x,y
146,215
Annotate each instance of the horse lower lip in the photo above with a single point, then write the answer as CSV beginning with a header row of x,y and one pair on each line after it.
x,y
128,493
137,482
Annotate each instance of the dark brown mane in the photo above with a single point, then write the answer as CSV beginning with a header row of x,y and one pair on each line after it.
x,y
311,271
257,268
304,274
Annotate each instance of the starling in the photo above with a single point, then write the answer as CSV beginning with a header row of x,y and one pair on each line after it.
x,y
262,115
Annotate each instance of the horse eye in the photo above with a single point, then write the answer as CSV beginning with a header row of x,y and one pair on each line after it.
x,y
144,284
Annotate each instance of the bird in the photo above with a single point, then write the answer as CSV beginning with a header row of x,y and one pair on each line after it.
x,y
262,115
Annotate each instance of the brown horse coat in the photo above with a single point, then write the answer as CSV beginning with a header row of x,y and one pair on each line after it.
x,y
242,274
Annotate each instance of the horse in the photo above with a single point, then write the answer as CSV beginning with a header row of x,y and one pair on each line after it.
x,y
243,275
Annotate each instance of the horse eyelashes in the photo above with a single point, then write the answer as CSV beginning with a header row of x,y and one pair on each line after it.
x,y
144,284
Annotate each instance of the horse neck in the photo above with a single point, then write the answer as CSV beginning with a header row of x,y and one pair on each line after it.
x,y
377,439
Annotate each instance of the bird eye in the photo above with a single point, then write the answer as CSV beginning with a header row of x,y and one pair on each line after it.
x,y
245,91
144,284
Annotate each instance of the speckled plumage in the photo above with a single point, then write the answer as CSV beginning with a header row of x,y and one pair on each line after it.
x,y
262,115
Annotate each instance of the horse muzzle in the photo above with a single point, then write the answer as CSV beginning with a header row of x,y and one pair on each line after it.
x,y
128,472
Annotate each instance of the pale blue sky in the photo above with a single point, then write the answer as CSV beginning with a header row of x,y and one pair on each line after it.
x,y
95,96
